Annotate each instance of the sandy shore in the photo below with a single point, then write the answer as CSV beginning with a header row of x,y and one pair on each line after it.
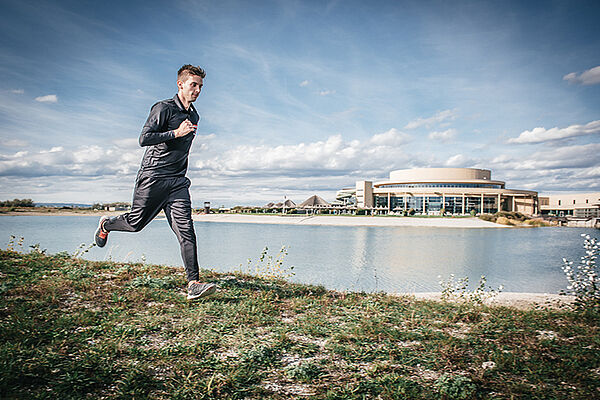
x,y
523,301
296,219
299,219
347,220
63,213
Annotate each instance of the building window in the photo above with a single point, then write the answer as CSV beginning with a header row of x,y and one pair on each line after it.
x,y
434,204
473,204
453,205
440,185
586,201
381,201
573,201
490,205
559,202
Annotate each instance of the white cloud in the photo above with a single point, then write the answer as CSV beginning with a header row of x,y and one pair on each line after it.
x,y
90,161
50,98
436,119
588,77
444,136
258,173
304,83
17,91
458,160
548,160
393,137
326,92
333,156
574,168
210,136
580,156
539,135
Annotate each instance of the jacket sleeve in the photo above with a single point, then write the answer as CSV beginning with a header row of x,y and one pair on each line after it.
x,y
155,129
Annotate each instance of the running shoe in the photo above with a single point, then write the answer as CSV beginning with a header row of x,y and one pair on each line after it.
x,y
101,235
197,290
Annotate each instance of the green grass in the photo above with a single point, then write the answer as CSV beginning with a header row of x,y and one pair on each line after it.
x,y
74,329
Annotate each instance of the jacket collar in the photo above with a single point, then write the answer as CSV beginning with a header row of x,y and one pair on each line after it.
x,y
180,105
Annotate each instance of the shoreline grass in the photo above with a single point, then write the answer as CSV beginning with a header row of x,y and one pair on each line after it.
x,y
73,328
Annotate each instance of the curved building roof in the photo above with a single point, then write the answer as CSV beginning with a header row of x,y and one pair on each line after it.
x,y
446,179
441,175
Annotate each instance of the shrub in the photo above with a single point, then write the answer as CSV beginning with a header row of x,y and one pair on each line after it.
x,y
270,267
457,290
17,203
584,282
511,215
536,222
487,217
519,216
504,221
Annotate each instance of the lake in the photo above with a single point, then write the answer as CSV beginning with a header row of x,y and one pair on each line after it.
x,y
359,258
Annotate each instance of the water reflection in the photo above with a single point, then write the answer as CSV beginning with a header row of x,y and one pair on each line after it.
x,y
349,258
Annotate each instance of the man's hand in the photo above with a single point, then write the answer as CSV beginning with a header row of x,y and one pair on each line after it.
x,y
184,128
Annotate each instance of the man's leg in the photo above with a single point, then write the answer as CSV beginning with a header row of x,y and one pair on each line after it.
x,y
149,197
178,211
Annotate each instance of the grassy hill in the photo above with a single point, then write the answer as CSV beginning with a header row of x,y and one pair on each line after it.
x,y
72,328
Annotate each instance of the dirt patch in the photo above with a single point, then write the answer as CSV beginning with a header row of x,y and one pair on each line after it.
x,y
522,301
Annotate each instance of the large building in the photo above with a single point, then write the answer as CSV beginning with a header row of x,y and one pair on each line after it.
x,y
430,191
581,205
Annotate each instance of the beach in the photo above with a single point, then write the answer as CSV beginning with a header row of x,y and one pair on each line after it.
x,y
296,219
340,220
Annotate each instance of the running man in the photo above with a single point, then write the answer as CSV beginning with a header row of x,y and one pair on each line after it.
x,y
161,183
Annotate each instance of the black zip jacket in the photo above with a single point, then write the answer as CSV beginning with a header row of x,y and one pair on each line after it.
x,y
166,156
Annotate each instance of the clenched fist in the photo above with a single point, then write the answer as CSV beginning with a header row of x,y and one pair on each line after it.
x,y
184,128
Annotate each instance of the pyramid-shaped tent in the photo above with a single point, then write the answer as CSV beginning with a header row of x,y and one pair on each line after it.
x,y
314,202
289,204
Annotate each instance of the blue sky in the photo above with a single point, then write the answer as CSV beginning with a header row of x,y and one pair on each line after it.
x,y
301,97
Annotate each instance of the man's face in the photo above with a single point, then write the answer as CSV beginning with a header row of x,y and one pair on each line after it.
x,y
189,88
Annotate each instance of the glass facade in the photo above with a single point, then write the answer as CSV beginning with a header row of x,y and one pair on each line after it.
x,y
434,204
381,201
453,205
441,185
490,204
472,203
397,203
415,203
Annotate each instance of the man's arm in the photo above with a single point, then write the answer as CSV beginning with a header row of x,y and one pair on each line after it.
x,y
154,130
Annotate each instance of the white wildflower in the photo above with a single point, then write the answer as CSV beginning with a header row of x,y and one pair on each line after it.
x,y
488,365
